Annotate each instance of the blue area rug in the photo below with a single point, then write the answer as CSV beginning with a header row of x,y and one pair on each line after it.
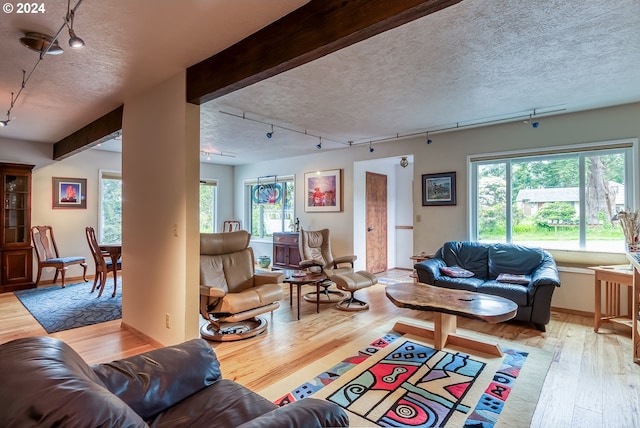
x,y
58,309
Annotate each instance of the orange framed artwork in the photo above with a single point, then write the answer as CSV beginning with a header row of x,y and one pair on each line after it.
x,y
323,190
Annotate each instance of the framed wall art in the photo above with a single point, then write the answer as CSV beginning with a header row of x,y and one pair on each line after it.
x,y
323,191
69,192
439,189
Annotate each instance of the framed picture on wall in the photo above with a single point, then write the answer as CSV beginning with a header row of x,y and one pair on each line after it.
x,y
439,189
69,192
323,191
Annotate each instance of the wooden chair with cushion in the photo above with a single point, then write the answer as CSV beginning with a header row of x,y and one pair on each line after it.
x,y
49,257
104,264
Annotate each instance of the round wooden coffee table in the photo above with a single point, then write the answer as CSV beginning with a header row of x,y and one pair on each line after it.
x,y
300,278
447,304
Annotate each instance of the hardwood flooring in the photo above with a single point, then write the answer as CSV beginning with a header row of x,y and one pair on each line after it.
x,y
592,381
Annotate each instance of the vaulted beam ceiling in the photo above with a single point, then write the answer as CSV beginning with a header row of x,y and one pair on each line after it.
x,y
316,29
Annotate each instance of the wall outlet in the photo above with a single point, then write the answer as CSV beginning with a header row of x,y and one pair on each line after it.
x,y
167,320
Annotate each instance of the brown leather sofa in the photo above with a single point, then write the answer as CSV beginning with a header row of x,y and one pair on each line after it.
x,y
45,383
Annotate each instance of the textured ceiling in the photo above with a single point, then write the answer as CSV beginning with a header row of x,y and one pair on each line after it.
x,y
475,61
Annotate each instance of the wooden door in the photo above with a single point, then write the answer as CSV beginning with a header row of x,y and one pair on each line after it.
x,y
376,222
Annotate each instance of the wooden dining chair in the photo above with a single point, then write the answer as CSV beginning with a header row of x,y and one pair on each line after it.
x,y
230,226
104,264
48,255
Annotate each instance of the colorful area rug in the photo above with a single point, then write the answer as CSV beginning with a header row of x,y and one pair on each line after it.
x,y
58,309
401,381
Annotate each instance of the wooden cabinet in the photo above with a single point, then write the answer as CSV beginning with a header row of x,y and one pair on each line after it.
x,y
286,254
16,259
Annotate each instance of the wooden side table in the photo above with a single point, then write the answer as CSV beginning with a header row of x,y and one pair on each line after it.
x,y
613,277
417,259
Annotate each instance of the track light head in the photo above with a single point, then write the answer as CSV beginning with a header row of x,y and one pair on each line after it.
x,y
4,123
535,125
404,162
319,146
270,133
371,149
75,42
429,140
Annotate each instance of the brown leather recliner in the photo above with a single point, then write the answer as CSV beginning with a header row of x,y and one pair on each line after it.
x,y
231,293
315,252
45,383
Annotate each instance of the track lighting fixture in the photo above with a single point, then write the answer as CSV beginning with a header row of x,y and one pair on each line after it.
x,y
74,41
41,43
319,145
44,45
534,123
371,149
429,140
404,162
270,134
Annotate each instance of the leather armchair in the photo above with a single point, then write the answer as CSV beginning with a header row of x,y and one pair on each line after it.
x,y
232,294
315,252
45,383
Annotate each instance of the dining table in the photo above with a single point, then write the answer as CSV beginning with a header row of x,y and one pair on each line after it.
x,y
114,252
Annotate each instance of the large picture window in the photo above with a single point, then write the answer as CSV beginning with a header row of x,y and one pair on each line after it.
x,y
564,199
270,205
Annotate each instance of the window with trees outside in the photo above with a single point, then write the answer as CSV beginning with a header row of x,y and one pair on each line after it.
x,y
270,206
565,199
208,194
110,230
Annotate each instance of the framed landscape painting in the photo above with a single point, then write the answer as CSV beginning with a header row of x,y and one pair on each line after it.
x,y
323,190
439,189
69,192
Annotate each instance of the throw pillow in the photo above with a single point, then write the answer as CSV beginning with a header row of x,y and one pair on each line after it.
x,y
514,278
455,272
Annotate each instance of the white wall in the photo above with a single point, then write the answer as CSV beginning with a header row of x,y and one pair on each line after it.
x,y
160,231
69,224
347,226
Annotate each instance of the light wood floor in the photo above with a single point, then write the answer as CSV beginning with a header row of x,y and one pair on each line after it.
x,y
592,381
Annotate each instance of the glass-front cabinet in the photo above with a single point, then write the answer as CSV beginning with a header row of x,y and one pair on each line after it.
x,y
15,238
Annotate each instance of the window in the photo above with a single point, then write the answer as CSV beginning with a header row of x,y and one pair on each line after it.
x,y
110,230
562,199
270,206
208,194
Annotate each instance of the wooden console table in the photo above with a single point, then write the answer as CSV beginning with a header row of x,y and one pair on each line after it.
x,y
613,277
285,250
634,258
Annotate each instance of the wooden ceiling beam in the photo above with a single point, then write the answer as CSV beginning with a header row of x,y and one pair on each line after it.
x,y
102,129
318,28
